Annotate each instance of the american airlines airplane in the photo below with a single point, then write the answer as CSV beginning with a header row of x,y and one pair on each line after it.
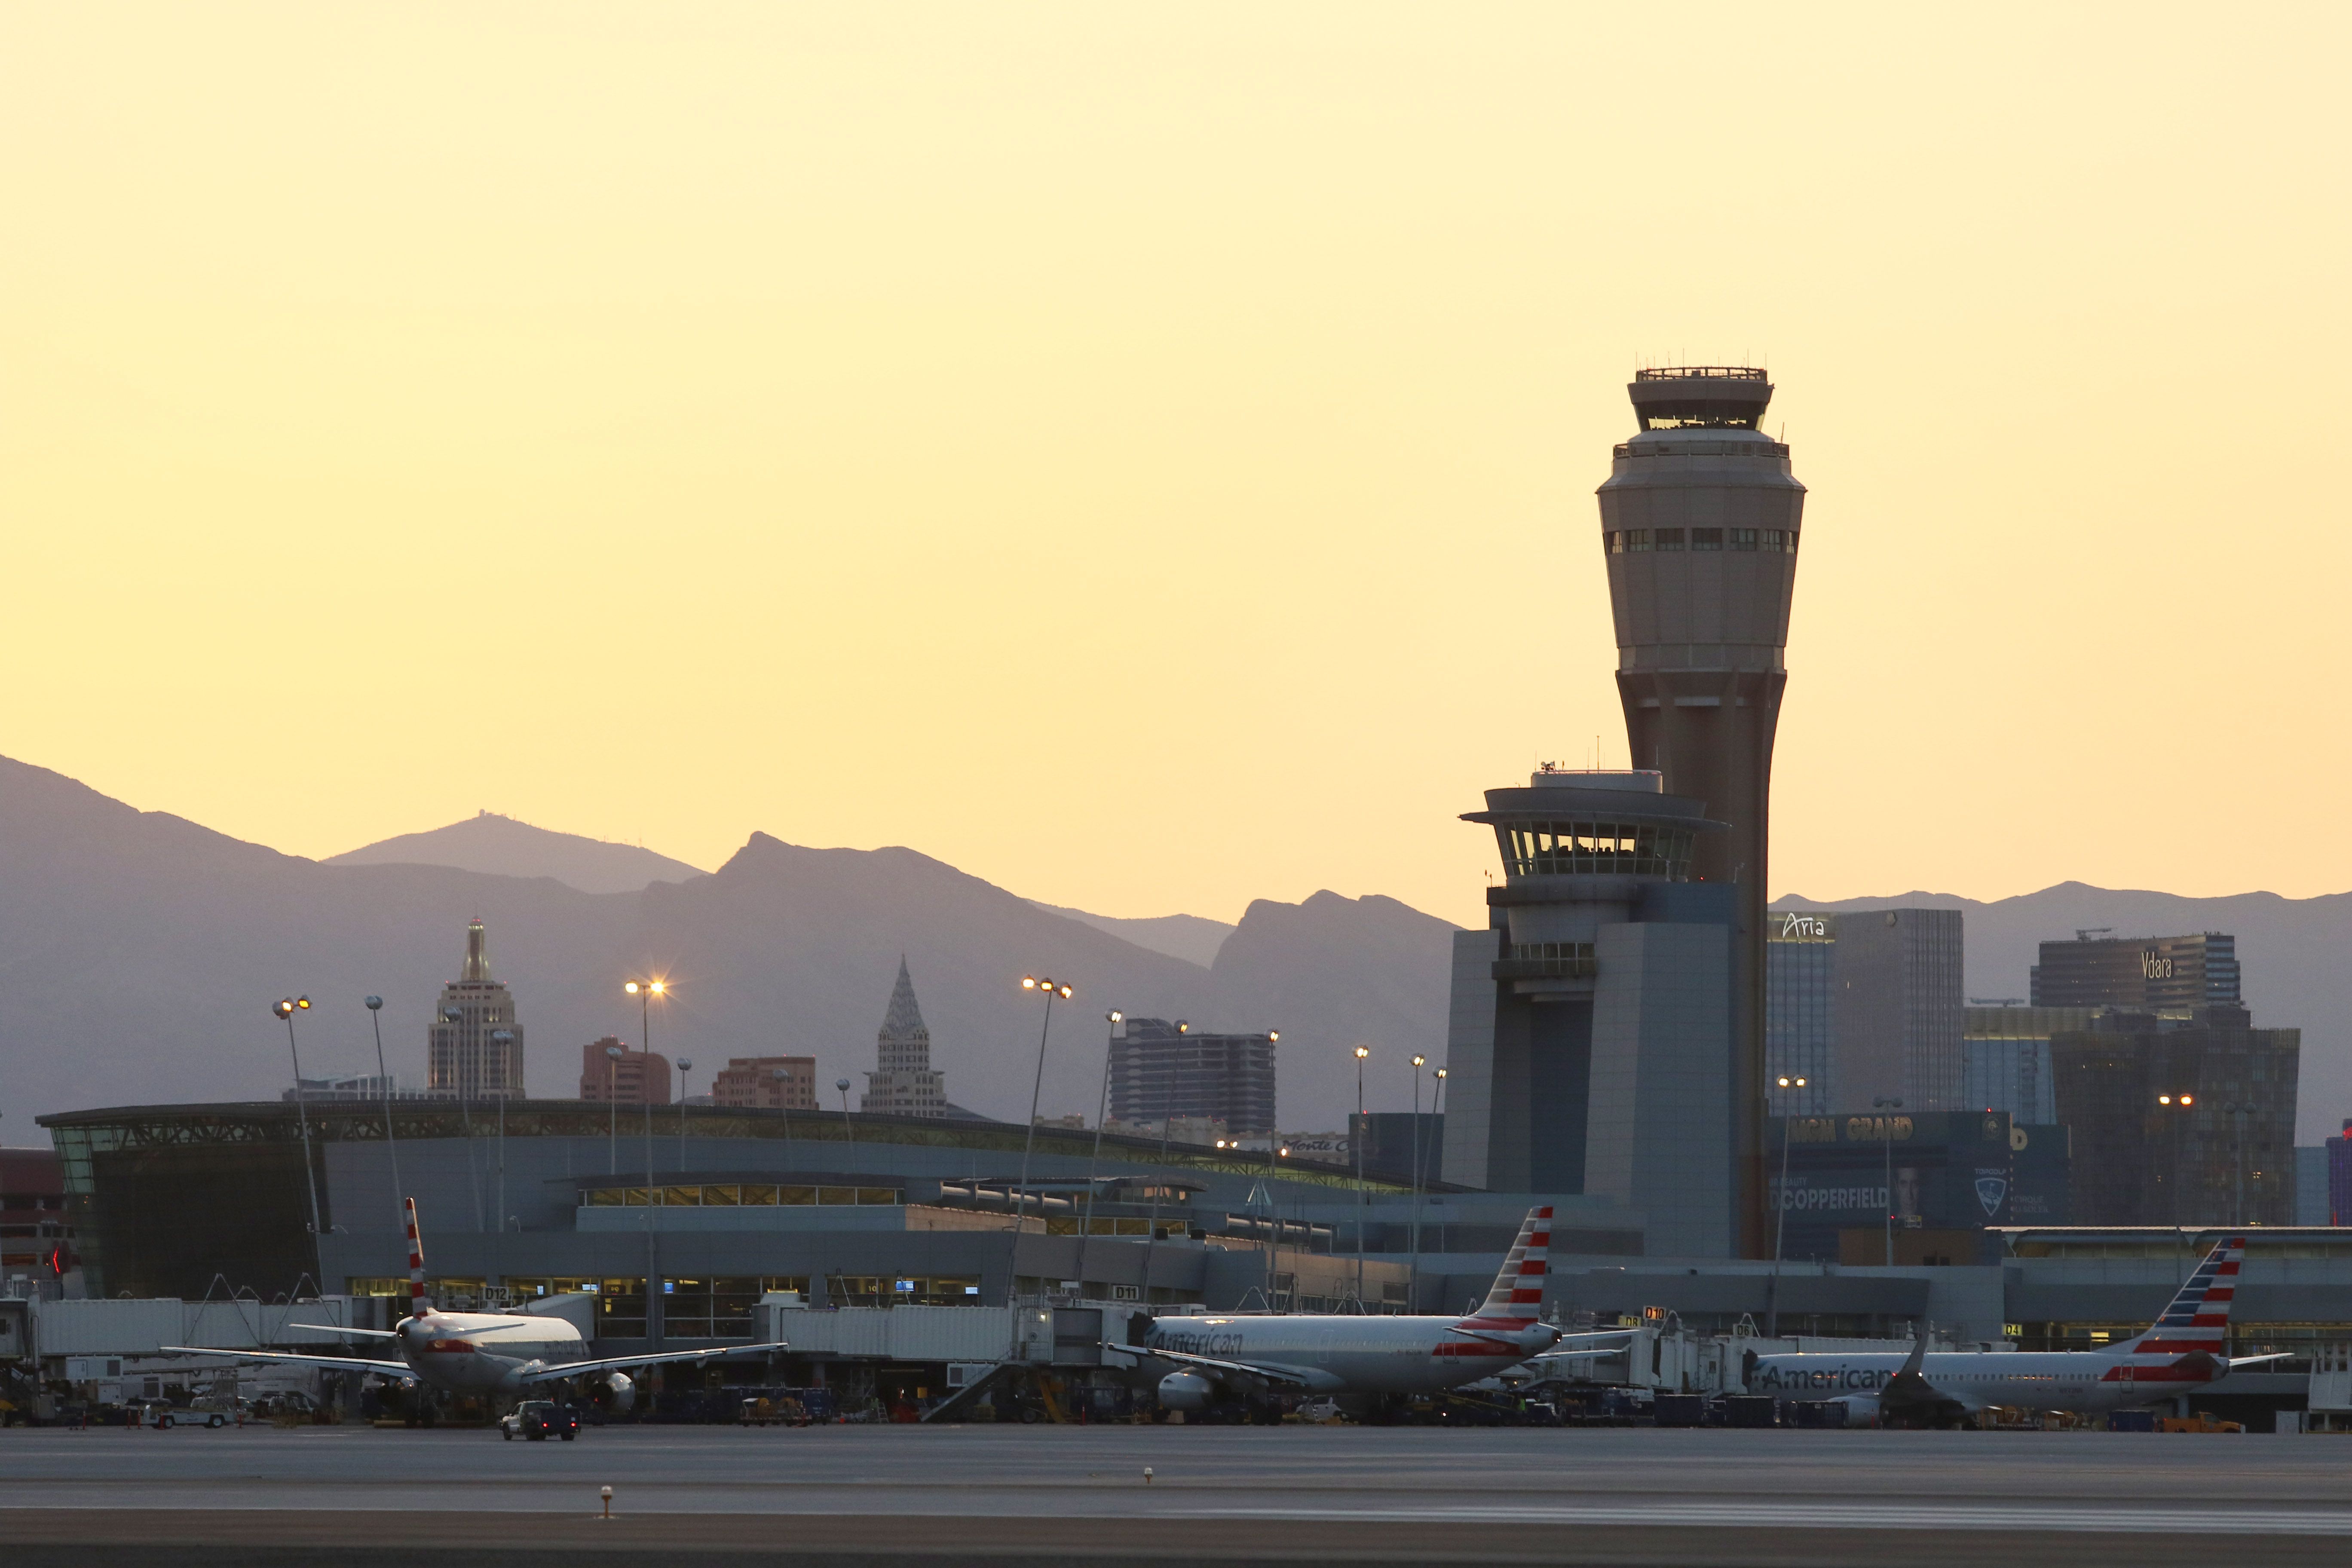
x,y
2181,1352
1254,1360
494,1353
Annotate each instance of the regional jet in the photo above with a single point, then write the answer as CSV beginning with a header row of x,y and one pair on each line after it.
x,y
493,1353
2180,1353
1255,1361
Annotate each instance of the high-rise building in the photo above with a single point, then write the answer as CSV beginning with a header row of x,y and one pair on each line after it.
x,y
2339,1177
905,1084
2005,1059
2180,1121
474,1047
1160,1070
1591,1046
1901,1006
1799,1010
750,1083
610,1069
1700,518
2153,973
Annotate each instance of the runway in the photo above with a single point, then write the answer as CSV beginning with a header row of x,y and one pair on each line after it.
x,y
989,1494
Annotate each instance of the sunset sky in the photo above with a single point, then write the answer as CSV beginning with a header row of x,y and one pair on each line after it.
x,y
1144,454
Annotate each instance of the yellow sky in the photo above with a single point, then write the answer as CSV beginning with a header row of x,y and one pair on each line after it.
x,y
1144,454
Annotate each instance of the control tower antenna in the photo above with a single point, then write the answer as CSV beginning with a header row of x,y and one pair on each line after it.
x,y
1699,523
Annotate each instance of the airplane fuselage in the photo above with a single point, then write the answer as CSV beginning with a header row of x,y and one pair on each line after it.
x,y
482,1352
2088,1381
1354,1355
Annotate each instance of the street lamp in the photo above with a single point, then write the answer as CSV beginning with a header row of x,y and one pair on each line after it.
x,y
1887,1131
1412,1271
1437,1110
1112,1021
685,1065
2176,1102
285,1010
612,1054
1363,1198
1780,1222
848,1133
783,1077
376,1019
645,991
2239,1111
502,1038
1049,990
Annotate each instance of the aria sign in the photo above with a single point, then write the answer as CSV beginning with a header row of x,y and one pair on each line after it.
x,y
1789,925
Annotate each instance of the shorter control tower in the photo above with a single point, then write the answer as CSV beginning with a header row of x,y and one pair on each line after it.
x,y
1592,1047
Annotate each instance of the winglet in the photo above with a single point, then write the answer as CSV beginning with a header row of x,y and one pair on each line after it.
x,y
1916,1359
417,1305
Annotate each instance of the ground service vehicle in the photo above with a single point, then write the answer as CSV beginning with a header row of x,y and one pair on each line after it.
x,y
537,1420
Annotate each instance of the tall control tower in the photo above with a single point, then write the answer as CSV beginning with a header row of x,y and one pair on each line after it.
x,y
1700,517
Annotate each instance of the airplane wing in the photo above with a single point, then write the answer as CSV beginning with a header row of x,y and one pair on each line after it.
x,y
2237,1361
1282,1376
342,1332
399,1369
613,1364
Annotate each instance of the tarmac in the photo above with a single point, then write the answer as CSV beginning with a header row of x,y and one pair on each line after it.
x,y
988,1494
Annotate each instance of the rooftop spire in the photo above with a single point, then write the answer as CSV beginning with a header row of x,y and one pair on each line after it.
x,y
477,951
905,1019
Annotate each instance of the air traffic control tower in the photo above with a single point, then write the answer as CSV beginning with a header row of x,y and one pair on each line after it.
x,y
1700,517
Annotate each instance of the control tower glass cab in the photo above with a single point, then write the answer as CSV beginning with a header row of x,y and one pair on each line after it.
x,y
1700,521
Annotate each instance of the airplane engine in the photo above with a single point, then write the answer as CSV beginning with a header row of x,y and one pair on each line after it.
x,y
613,1394
1186,1391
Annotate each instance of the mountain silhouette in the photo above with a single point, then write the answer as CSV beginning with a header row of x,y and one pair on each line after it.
x,y
140,954
505,848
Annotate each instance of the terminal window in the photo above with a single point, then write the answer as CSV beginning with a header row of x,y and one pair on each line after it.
x,y
1706,539
1629,539
1743,539
1669,538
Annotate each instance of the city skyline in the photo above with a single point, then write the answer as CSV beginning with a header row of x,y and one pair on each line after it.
x,y
972,358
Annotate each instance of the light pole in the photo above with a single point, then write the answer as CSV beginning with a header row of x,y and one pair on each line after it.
x,y
1437,1114
685,1064
1781,1224
1029,1144
502,1038
645,991
1886,1133
1158,1182
465,1056
1363,1198
2176,1102
376,1019
1112,1021
2239,1111
784,1078
612,1113
1413,1272
285,1010
848,1133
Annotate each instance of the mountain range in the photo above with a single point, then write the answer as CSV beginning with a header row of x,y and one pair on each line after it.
x,y
2291,951
140,954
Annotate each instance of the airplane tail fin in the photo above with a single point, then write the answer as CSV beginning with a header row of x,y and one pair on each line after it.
x,y
1517,1297
417,1304
2199,1318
